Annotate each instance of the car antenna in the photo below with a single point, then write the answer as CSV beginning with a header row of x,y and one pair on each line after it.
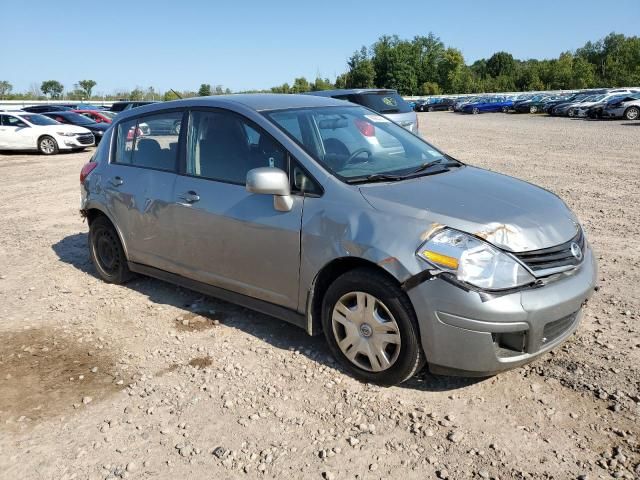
x,y
176,93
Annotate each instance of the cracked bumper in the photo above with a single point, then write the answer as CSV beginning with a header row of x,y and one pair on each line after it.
x,y
462,334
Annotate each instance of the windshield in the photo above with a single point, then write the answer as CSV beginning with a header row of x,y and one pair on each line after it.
x,y
77,119
108,114
356,143
36,119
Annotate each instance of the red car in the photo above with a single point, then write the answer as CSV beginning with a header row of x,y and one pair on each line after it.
x,y
97,116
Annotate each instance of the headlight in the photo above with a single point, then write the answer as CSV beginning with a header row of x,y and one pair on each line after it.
x,y
473,261
67,134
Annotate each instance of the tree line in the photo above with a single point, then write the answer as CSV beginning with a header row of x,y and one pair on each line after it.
x,y
423,65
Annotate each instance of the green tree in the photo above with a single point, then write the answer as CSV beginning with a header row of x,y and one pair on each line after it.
x,y
284,88
136,94
430,88
361,73
5,88
341,81
53,88
205,90
428,54
450,70
300,85
501,63
321,84
169,95
87,86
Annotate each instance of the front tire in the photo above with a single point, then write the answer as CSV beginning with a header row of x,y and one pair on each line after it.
x,y
371,328
47,145
107,253
533,109
632,113
475,110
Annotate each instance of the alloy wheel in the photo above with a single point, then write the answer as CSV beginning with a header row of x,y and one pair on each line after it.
x,y
366,331
47,146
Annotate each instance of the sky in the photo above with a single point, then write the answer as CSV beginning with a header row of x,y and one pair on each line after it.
x,y
253,44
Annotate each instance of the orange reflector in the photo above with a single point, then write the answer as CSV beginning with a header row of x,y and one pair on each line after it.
x,y
440,259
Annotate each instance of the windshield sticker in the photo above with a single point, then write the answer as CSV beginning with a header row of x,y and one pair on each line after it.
x,y
392,102
376,119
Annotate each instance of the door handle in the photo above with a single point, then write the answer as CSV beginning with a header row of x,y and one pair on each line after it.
x,y
116,181
190,197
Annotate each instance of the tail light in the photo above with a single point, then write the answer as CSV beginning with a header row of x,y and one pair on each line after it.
x,y
86,170
365,128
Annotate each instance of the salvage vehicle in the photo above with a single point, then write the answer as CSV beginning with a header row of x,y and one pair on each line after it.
x,y
399,259
438,105
384,101
98,116
583,108
490,104
46,108
627,107
30,131
533,104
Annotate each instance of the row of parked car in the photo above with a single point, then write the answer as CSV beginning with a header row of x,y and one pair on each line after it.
x,y
621,103
52,128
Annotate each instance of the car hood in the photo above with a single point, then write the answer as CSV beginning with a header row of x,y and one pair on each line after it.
x,y
98,127
64,127
509,213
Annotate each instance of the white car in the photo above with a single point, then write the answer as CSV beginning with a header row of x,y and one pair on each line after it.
x,y
30,131
580,109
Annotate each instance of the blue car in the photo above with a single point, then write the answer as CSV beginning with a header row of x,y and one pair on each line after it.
x,y
489,104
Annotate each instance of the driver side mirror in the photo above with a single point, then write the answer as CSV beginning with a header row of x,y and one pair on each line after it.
x,y
271,181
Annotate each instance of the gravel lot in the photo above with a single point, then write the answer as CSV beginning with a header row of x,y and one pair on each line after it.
x,y
152,381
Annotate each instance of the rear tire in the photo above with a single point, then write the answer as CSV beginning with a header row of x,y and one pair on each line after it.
x,y
505,109
475,110
366,316
430,109
450,109
47,145
632,113
107,253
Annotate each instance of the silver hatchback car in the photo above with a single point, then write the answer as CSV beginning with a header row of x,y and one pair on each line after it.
x,y
399,258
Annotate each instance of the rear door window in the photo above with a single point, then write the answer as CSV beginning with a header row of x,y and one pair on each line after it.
x,y
150,141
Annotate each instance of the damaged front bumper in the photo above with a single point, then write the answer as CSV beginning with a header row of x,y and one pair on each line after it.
x,y
471,333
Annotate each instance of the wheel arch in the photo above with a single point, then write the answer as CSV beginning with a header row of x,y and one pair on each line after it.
x,y
326,276
94,212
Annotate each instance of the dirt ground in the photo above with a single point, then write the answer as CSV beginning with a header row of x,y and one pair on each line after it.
x,y
149,380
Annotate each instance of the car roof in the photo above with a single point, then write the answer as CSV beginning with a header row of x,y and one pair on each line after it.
x,y
254,101
349,91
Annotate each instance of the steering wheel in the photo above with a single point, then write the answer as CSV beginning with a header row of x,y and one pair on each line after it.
x,y
357,152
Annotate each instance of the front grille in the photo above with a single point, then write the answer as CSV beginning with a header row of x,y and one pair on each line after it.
x,y
85,139
555,329
554,257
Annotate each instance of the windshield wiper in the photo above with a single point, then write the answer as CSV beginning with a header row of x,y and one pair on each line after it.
x,y
386,177
426,166
375,177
